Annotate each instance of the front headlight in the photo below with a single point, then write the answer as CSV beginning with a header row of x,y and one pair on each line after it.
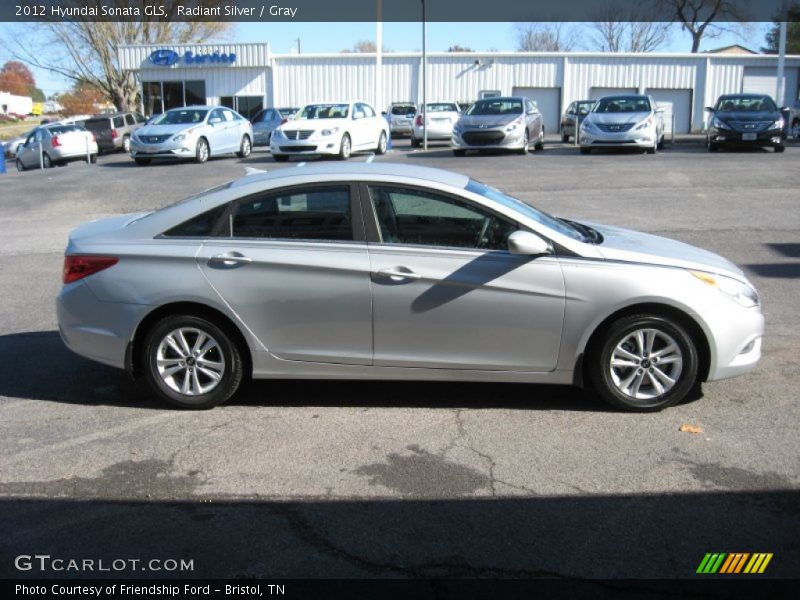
x,y
736,290
458,128
514,124
587,125
330,131
646,123
778,124
179,138
719,123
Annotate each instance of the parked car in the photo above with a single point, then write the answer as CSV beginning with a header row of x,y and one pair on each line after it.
x,y
193,132
267,120
510,123
576,111
794,120
631,120
401,118
336,129
745,120
439,118
270,276
56,144
11,146
113,131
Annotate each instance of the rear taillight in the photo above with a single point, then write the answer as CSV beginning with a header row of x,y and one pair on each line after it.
x,y
55,142
419,120
78,267
94,137
113,134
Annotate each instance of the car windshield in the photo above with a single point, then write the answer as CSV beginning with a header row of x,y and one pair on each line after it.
x,y
496,106
549,221
624,104
325,111
403,109
180,117
441,107
287,112
746,104
584,108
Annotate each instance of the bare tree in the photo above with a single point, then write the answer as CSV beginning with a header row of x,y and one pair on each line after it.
x,y
707,18
85,51
628,28
459,48
545,37
364,46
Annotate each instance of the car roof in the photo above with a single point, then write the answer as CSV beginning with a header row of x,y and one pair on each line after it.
x,y
357,169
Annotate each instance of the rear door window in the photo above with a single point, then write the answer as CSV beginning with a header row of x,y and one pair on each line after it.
x,y
119,122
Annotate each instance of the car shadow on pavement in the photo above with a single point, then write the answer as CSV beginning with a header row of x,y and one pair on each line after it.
x,y
72,379
151,510
775,270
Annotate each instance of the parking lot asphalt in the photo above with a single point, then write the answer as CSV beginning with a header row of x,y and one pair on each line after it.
x,y
385,479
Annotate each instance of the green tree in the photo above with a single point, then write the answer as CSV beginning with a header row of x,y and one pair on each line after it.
x,y
792,33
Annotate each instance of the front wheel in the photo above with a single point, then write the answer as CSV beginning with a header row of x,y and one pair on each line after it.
x,y
525,143
644,363
201,151
711,146
245,147
126,144
539,145
381,149
47,162
780,149
191,362
345,148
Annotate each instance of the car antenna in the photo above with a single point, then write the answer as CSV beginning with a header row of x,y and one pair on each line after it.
x,y
252,171
370,158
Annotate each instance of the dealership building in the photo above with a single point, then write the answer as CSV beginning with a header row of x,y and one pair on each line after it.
x,y
247,77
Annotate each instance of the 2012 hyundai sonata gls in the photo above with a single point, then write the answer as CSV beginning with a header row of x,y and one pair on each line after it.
x,y
381,271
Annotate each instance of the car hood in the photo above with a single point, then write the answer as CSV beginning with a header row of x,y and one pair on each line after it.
x,y
622,118
315,124
745,116
634,246
487,120
165,129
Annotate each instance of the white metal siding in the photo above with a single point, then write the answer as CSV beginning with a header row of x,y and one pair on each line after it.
x,y
549,102
764,80
598,92
677,103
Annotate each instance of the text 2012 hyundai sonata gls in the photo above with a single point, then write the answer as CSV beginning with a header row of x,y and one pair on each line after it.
x,y
381,271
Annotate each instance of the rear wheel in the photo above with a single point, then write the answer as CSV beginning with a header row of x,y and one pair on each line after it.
x,y
245,147
190,362
20,166
201,151
142,161
126,144
47,162
644,363
381,149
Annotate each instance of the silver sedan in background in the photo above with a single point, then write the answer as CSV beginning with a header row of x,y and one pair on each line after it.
x,y
56,144
506,123
396,272
632,121
439,119
193,132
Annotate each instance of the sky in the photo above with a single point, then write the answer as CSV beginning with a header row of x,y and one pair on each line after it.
x,y
397,37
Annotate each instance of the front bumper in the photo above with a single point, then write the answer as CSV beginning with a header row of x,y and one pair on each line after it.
x,y
644,138
735,336
770,137
184,149
314,145
483,139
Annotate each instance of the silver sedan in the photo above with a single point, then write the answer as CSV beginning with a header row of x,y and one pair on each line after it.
x,y
382,271
506,123
632,121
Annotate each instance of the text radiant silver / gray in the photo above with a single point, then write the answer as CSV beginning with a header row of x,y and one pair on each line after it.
x,y
364,271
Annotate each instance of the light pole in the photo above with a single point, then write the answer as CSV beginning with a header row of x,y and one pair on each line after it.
x,y
779,87
424,82
379,59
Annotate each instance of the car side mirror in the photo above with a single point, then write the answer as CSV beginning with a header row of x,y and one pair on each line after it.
x,y
527,243
709,109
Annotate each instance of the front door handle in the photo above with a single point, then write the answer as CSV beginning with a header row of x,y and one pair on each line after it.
x,y
399,274
230,259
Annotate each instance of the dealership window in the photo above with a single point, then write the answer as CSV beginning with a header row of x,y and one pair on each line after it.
x,y
227,101
249,106
159,96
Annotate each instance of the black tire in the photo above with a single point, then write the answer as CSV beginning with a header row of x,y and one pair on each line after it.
x,y
245,148
780,149
92,159
459,152
232,374
201,151
345,149
711,146
47,162
660,144
20,166
142,161
280,157
565,138
586,150
415,143
382,143
539,145
600,353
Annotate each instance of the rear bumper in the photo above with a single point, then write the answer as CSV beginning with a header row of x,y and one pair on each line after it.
x,y
67,156
434,132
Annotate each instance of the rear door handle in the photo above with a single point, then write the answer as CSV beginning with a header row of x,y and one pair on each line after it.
x,y
230,259
399,274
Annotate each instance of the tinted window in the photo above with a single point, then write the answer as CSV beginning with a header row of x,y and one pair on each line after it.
x,y
441,107
507,106
195,92
119,122
747,104
410,216
64,129
627,104
200,226
312,214
325,111
403,109
97,124
180,117
129,120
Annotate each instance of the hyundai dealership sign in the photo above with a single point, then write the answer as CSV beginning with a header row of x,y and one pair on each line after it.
x,y
167,58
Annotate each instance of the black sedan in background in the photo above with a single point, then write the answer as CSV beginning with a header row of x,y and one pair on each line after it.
x,y
745,120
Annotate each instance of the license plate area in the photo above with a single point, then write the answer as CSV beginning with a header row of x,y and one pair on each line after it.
x,y
749,137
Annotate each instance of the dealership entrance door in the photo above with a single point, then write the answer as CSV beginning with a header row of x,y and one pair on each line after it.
x,y
247,106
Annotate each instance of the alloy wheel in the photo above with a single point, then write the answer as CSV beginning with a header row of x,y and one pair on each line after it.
x,y
190,361
645,364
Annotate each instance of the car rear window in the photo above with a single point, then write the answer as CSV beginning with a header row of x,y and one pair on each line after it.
x,y
97,124
64,129
441,107
201,225
404,109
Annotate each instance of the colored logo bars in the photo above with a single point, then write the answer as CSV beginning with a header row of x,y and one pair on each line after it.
x,y
737,562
